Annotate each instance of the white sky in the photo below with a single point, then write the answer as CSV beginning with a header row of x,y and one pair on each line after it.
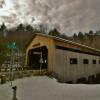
x,y
70,15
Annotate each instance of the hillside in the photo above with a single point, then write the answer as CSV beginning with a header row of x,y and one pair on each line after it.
x,y
21,34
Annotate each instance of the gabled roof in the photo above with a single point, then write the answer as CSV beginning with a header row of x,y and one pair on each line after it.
x,y
62,40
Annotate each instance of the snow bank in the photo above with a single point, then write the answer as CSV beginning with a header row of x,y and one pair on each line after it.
x,y
45,88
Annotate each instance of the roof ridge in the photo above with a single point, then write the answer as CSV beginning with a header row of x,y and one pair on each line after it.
x,y
69,41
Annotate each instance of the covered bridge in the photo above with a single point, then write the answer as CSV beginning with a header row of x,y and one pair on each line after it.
x,y
64,59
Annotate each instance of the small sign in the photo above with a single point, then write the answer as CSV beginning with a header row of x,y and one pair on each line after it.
x,y
12,45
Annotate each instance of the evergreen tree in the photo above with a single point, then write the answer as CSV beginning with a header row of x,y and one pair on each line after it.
x,y
75,36
54,32
80,35
20,28
3,29
91,32
29,28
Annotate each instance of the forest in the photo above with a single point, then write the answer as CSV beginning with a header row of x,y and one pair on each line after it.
x,y
21,34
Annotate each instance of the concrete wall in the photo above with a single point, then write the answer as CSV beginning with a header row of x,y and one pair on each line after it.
x,y
71,72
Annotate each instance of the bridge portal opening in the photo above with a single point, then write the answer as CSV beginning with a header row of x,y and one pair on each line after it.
x,y
38,57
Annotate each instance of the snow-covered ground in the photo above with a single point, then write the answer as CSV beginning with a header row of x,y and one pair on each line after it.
x,y
44,88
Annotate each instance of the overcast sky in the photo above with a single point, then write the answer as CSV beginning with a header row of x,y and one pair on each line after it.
x,y
69,16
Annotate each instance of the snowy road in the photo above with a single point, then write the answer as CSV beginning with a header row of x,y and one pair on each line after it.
x,y
44,88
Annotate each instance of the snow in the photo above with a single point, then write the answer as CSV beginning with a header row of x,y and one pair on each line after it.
x,y
45,88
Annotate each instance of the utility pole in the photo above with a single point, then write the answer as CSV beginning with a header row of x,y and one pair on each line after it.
x,y
12,47
12,65
11,68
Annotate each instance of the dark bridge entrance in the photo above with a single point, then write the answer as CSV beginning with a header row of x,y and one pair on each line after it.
x,y
38,58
